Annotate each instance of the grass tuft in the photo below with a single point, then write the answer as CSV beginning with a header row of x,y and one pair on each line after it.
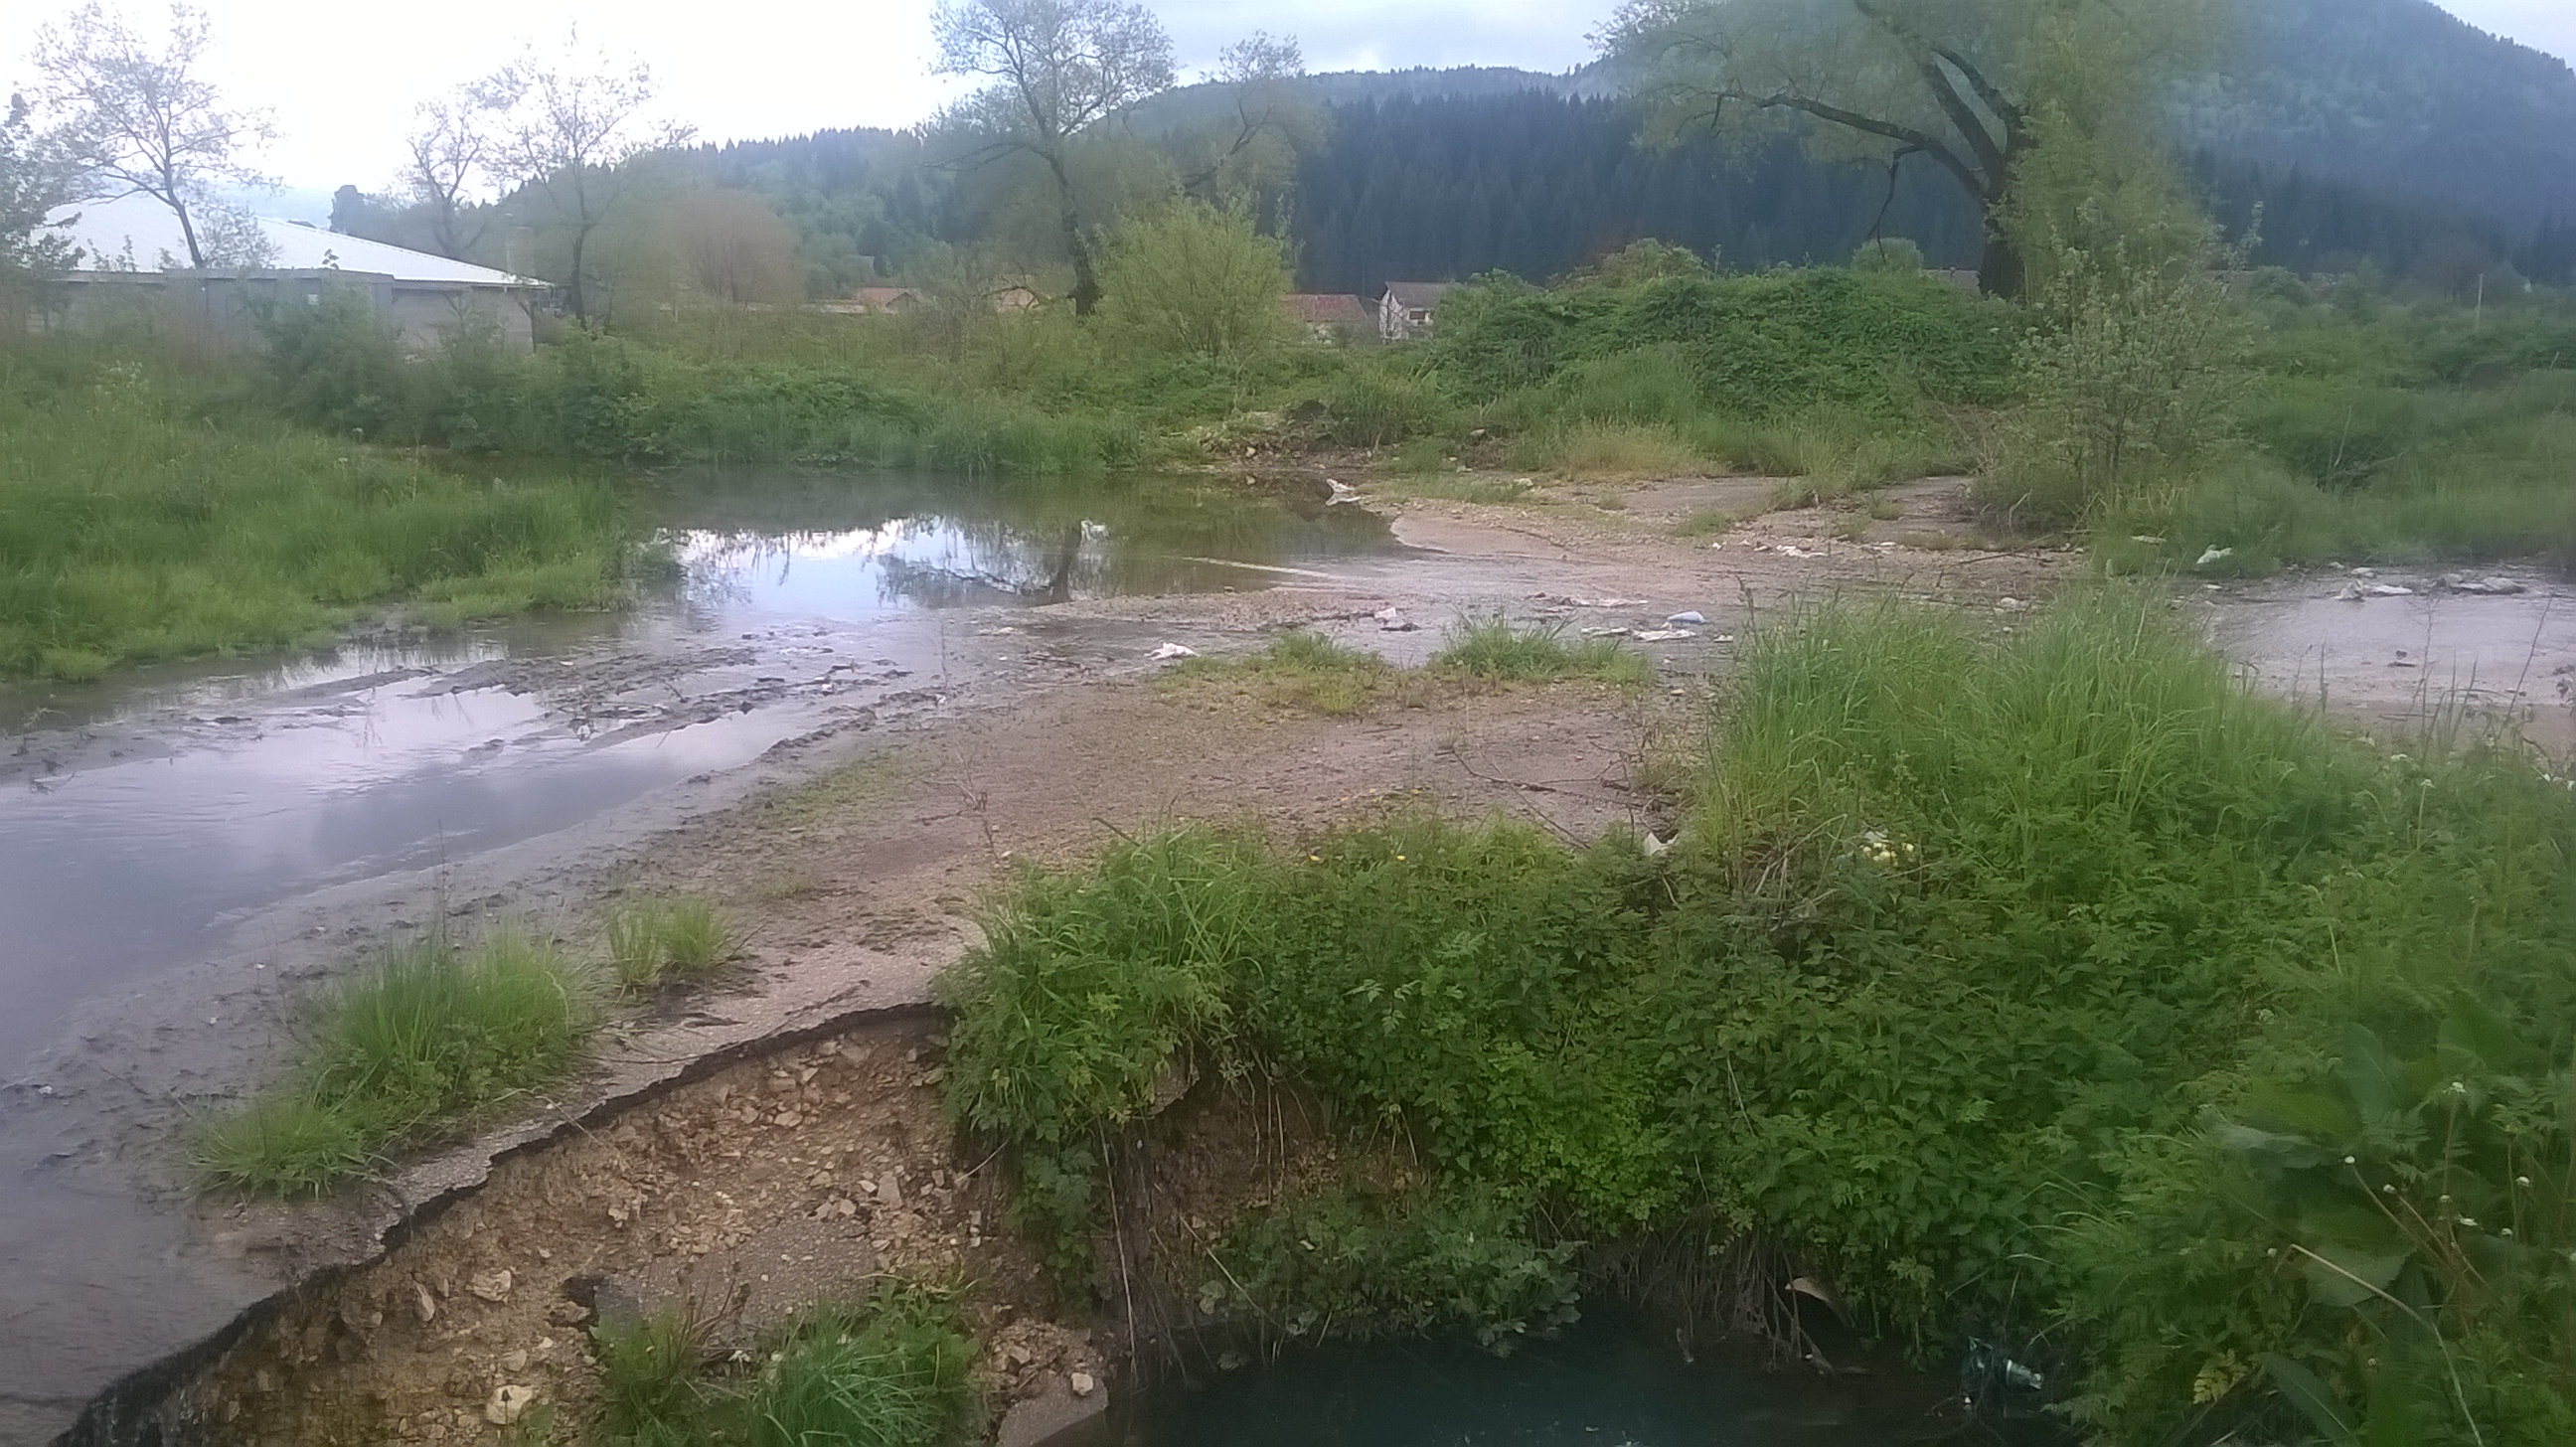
x,y
405,1052
1496,650
657,942
893,1372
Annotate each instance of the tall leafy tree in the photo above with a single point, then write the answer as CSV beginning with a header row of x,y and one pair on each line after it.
x,y
1057,69
33,186
1958,82
139,118
568,124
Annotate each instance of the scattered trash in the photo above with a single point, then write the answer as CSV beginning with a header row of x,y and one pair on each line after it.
x,y
2150,539
1655,846
1662,635
2365,572
2490,587
1694,616
2215,555
1342,492
2011,605
1607,602
1392,620
2351,594
1174,650
1605,632
2391,590
508,1403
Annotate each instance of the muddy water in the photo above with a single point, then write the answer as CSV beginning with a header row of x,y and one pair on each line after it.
x,y
2409,652
1610,1381
151,823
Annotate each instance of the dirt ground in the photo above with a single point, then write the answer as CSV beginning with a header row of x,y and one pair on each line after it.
x,y
810,1169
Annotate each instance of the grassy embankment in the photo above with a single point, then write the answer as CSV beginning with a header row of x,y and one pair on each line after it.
x,y
132,529
2048,988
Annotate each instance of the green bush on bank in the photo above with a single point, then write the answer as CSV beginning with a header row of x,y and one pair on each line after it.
x,y
130,530
2010,984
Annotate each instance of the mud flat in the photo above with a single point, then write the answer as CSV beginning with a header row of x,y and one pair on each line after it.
x,y
2460,655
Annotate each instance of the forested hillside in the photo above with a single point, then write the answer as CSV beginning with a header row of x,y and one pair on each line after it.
x,y
2384,130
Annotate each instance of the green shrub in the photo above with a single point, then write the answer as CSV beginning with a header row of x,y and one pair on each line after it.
x,y
1373,1266
1751,345
2020,983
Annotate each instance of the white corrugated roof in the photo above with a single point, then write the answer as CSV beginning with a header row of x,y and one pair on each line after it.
x,y
142,228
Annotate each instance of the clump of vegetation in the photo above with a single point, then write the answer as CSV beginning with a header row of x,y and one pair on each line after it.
x,y
131,530
1986,969
655,942
1496,650
403,1053
1306,670
895,1371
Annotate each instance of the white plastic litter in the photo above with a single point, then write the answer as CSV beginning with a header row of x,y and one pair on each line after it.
x,y
2391,590
1655,846
1693,616
1607,602
1342,492
2215,555
1171,651
1662,635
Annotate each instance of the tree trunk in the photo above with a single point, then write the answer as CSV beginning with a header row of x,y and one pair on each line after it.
x,y
2001,272
188,230
573,295
1086,278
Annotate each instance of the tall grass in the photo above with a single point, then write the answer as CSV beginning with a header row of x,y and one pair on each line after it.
x,y
130,530
892,1372
1497,650
2047,987
403,1053
654,942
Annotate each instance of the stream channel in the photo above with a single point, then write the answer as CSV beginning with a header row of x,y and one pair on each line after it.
x,y
166,835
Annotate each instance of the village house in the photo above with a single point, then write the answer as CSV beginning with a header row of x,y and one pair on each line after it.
x,y
1330,316
1404,312
133,257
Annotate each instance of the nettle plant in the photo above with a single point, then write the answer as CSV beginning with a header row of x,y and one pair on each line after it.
x,y
2424,1200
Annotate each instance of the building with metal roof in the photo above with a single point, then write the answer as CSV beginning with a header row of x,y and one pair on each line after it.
x,y
134,257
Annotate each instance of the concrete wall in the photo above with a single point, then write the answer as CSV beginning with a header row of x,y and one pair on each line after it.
x,y
227,306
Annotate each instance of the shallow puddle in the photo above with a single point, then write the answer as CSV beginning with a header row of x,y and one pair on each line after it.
x,y
2417,655
802,600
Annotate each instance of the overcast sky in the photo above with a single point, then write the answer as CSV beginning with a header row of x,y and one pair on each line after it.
x,y
342,83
